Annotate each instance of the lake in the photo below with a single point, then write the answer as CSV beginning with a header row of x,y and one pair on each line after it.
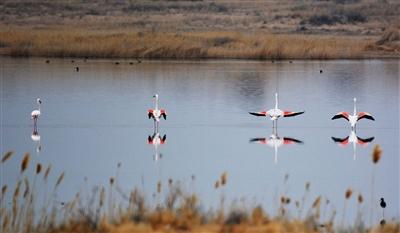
x,y
96,118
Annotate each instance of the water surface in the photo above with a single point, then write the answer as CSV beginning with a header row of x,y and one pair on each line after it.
x,y
97,117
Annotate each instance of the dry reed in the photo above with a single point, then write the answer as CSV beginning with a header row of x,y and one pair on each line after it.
x,y
187,45
376,154
181,212
25,162
7,156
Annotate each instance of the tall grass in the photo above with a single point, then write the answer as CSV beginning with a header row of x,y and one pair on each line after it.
x,y
70,42
180,210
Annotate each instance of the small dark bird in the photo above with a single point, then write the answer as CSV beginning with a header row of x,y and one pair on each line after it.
x,y
47,61
138,60
116,63
383,203
77,69
320,71
290,61
130,63
72,61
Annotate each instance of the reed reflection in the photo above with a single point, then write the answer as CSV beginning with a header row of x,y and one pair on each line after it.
x,y
354,140
274,141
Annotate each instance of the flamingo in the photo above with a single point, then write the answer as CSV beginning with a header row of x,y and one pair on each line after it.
x,y
275,113
353,119
35,114
353,139
274,141
156,113
157,140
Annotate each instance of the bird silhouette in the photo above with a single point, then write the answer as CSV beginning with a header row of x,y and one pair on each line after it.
x,y
383,203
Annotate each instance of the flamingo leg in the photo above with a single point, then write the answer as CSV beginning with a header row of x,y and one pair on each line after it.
x,y
34,124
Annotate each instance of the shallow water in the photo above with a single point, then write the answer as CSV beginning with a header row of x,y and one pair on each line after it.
x,y
97,117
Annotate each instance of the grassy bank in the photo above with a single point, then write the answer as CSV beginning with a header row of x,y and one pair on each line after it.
x,y
33,205
187,45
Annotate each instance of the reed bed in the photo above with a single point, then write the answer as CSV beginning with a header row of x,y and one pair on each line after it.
x,y
111,209
68,42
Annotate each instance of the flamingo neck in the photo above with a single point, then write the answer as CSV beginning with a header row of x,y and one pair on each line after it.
x,y
156,107
276,100
355,110
39,106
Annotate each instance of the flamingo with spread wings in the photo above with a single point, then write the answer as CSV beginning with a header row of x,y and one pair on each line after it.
x,y
353,119
275,113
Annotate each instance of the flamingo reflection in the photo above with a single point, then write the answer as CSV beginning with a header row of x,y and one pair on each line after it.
x,y
274,141
156,140
36,138
353,139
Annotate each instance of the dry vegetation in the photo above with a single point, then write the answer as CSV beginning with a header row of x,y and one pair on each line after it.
x,y
100,44
199,28
111,209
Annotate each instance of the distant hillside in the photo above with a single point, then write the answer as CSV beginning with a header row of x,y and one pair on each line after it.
x,y
353,17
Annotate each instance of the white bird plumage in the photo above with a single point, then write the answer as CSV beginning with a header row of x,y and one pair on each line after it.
x,y
276,113
35,114
353,119
156,113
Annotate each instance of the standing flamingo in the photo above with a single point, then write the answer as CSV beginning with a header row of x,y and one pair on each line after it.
x,y
275,113
353,119
156,113
35,114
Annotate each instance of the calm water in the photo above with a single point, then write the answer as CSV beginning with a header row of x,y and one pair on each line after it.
x,y
95,118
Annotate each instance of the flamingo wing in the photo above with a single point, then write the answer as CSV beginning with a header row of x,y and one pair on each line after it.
x,y
259,140
163,113
287,141
150,113
344,115
365,115
164,138
291,114
259,113
341,141
365,141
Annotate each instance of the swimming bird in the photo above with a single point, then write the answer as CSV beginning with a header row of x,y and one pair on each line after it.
x,y
353,119
35,114
275,113
156,140
274,141
156,113
353,139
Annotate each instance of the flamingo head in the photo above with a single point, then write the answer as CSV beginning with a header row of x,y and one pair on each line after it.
x,y
155,96
38,100
355,99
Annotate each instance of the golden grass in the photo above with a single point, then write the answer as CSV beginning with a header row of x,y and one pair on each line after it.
x,y
181,211
70,42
